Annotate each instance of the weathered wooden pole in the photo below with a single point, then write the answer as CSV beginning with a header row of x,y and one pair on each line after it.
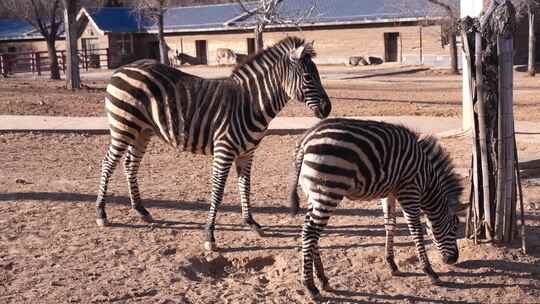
x,y
482,137
532,40
471,8
506,200
73,77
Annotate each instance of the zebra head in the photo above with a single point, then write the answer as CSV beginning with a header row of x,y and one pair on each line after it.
x,y
443,230
443,207
304,83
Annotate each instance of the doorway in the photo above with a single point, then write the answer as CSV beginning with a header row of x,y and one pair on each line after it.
x,y
391,47
201,51
250,46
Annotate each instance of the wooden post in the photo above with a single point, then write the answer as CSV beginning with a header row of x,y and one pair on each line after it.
x,y
3,65
480,103
471,8
506,50
70,23
475,189
108,58
63,56
38,62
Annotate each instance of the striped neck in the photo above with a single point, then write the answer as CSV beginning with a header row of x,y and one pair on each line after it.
x,y
263,78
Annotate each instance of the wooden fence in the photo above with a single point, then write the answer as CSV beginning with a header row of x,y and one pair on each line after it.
x,y
38,62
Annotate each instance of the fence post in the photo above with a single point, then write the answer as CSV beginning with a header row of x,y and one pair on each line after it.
x,y
3,65
63,61
108,58
38,62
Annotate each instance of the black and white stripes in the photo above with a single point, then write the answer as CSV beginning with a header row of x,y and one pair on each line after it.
x,y
364,160
223,118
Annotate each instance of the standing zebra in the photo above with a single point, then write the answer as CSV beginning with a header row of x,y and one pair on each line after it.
x,y
364,160
224,118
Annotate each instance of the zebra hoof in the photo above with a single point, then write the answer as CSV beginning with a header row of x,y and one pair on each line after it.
x,y
210,246
326,286
436,281
102,222
147,218
315,295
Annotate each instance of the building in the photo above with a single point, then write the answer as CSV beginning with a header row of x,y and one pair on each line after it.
x,y
394,31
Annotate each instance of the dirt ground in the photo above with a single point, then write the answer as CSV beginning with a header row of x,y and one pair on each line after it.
x,y
431,92
51,251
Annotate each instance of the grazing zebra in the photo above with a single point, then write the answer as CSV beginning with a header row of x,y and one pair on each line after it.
x,y
225,118
364,160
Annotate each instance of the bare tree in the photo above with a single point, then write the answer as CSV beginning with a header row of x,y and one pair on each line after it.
x,y
446,11
155,9
46,17
528,8
450,28
73,76
269,12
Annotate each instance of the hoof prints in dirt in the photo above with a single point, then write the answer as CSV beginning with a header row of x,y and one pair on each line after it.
x,y
219,267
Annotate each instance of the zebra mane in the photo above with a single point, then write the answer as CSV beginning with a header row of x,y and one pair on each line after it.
x,y
440,158
282,47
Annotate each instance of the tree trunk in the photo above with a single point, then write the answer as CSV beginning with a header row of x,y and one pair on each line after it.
x,y
532,43
453,53
73,77
259,42
53,58
163,51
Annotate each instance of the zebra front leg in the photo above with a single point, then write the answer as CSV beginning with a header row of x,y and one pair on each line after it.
x,y
220,171
389,208
131,168
114,153
243,170
412,215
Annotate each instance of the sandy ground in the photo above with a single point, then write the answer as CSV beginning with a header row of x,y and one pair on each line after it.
x,y
51,251
432,93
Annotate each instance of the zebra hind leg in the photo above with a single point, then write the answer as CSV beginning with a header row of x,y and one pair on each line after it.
x,y
243,170
319,269
131,168
389,206
314,223
113,155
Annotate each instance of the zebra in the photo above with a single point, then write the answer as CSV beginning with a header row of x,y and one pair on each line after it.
x,y
362,160
225,118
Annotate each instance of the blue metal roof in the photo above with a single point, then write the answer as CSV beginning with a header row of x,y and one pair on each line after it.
x,y
231,16
219,17
357,11
117,19
14,28
200,17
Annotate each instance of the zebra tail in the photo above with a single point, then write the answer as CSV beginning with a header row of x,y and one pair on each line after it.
x,y
294,199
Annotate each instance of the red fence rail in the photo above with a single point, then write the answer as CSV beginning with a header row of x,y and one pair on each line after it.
x,y
38,62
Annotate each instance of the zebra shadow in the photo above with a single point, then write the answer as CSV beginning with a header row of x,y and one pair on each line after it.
x,y
198,205
346,296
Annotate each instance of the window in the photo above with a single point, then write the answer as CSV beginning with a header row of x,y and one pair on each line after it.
x,y
11,49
